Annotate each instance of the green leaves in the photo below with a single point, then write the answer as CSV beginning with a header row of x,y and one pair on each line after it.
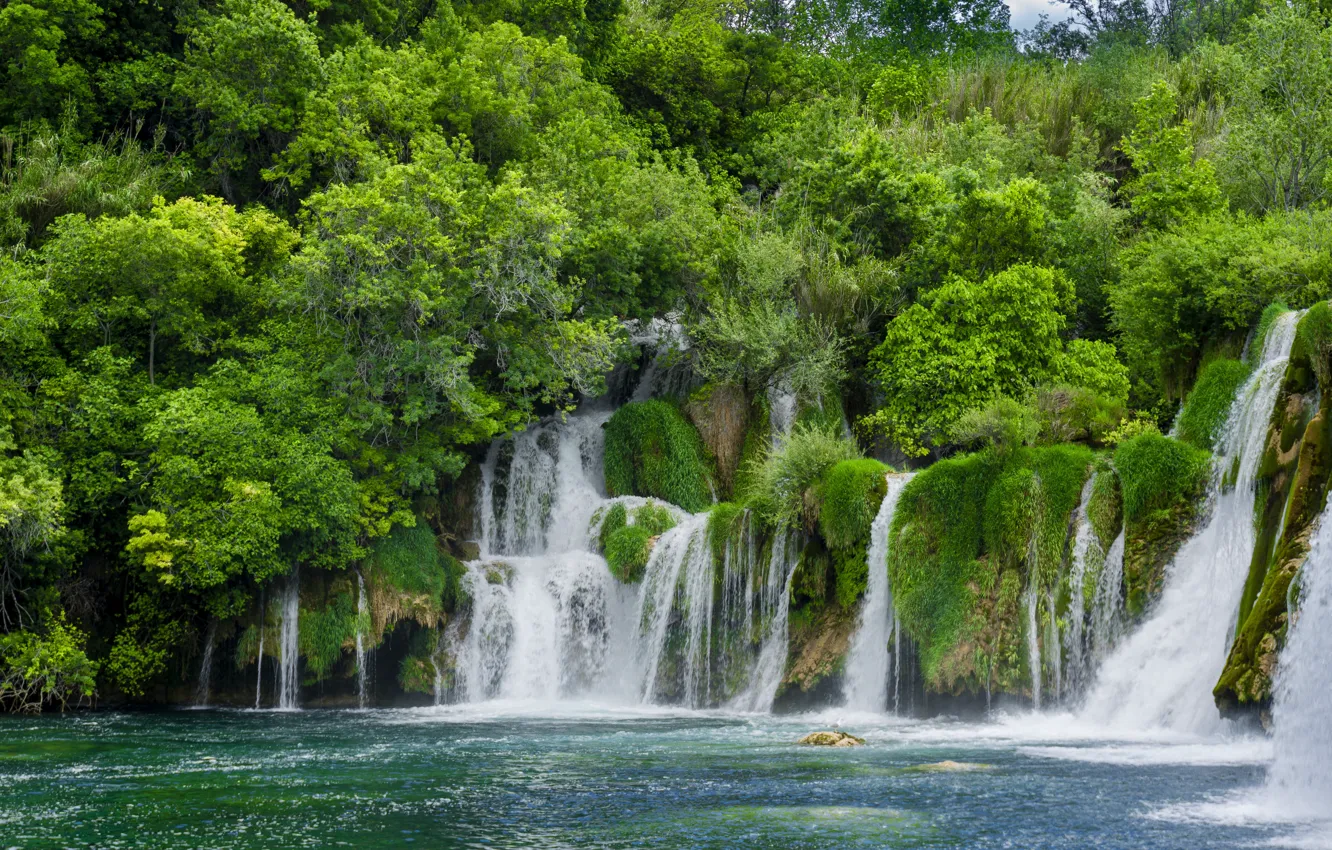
x,y
1171,186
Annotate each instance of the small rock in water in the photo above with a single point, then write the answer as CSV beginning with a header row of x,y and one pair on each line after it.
x,y
831,739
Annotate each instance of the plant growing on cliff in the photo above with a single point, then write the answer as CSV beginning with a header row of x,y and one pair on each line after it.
x,y
652,450
1209,402
46,667
782,485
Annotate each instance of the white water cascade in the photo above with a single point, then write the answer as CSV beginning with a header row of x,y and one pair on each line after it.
x,y
1031,599
1300,779
871,663
259,665
206,667
1091,610
781,411
1162,675
362,617
548,620
288,683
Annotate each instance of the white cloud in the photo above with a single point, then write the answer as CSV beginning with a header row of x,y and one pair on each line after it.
x,y
1026,12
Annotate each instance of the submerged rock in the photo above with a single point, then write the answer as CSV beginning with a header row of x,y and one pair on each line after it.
x,y
831,739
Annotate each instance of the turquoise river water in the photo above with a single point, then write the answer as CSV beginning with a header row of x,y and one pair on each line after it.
x,y
518,776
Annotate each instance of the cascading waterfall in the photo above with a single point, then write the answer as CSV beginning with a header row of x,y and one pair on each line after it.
x,y
1107,614
1086,559
362,616
774,609
206,667
871,664
1162,675
781,410
289,634
547,620
259,671
1300,779
1032,600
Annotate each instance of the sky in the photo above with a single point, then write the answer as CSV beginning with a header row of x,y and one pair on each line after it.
x,y
1025,12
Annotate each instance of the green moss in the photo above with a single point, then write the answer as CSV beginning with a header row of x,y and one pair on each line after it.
x,y
409,560
1313,340
851,567
616,518
1105,509
417,671
758,440
1157,473
965,532
651,450
324,633
723,520
654,518
1205,410
851,494
627,552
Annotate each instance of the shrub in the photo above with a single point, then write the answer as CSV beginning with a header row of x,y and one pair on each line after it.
x,y
654,518
1205,410
323,633
652,451
37,670
851,494
627,552
1155,472
1002,423
617,517
1313,339
780,484
1070,413
409,577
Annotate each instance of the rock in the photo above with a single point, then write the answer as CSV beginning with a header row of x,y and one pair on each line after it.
x,y
831,739
470,550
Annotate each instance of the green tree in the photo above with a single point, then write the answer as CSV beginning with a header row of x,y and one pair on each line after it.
x,y
1171,186
963,344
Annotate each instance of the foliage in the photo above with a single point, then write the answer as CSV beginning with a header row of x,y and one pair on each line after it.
x,y
616,517
1313,339
849,500
1002,423
656,519
1171,187
1155,472
1205,410
782,485
651,450
627,551
50,667
966,343
325,632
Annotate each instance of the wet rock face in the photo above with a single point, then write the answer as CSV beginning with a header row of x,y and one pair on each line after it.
x,y
830,739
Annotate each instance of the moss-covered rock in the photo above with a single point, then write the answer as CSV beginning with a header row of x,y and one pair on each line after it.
x,y
969,534
651,450
1208,403
627,552
850,496
409,577
1293,487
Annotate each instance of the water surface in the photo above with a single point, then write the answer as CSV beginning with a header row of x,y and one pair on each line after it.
x,y
521,775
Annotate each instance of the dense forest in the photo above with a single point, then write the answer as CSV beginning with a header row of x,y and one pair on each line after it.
x,y
276,273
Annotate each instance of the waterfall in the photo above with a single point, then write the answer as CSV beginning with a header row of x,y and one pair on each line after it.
x,y
1032,600
259,674
781,410
765,676
288,684
1107,614
362,615
1162,675
870,663
1087,559
1300,778
206,667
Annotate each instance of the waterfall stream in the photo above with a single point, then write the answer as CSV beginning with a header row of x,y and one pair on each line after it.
x,y
289,633
1162,675
871,663
362,615
1300,778
206,667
